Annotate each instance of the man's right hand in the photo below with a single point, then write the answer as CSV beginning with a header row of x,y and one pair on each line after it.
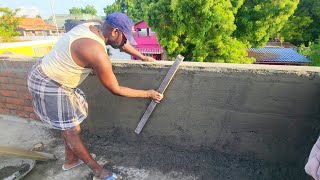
x,y
154,95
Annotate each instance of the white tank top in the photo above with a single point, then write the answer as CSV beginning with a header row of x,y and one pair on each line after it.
x,y
58,63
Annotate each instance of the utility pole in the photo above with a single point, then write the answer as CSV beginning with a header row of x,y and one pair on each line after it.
x,y
54,16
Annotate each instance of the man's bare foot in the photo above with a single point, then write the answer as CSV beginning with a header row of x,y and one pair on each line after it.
x,y
102,173
71,163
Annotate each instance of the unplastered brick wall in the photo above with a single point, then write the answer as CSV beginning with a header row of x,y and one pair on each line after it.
x,y
14,95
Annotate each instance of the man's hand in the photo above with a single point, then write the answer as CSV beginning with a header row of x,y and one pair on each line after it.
x,y
149,59
154,95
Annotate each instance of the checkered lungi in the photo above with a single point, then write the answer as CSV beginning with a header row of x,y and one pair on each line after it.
x,y
59,106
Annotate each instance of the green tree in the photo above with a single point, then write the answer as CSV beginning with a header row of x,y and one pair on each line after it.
x,y
89,10
312,51
258,20
294,30
304,26
208,30
199,29
129,7
75,10
8,23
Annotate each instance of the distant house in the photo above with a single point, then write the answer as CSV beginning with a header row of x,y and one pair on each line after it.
x,y
277,56
277,44
61,18
36,27
147,41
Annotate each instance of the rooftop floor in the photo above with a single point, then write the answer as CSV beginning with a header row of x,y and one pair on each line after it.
x,y
139,161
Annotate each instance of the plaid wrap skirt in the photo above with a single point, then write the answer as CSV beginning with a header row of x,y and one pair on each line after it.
x,y
60,107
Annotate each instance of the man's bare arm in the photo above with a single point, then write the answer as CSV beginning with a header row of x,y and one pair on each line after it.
x,y
127,48
95,55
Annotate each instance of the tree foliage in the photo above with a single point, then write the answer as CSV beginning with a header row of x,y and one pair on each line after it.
x,y
8,23
304,25
75,10
258,20
312,51
135,9
199,29
210,30
87,10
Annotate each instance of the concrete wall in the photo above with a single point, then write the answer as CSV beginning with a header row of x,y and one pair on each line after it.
x,y
271,112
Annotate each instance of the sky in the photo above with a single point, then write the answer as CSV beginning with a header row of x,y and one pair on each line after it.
x,y
31,8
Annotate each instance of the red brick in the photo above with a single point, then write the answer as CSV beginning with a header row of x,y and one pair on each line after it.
x,y
8,93
2,105
12,106
21,89
8,74
28,102
4,111
23,114
33,116
10,87
13,112
15,101
4,80
21,75
25,96
2,99
20,82
28,109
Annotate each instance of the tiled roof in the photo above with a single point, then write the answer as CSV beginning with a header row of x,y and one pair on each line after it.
x,y
277,55
34,24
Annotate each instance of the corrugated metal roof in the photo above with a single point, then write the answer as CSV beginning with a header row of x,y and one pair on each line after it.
x,y
280,55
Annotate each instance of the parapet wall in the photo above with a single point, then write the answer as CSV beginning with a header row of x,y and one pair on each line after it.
x,y
271,112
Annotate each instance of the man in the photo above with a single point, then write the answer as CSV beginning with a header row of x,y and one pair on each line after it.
x,y
53,81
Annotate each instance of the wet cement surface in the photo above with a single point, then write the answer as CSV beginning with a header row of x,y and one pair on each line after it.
x,y
201,164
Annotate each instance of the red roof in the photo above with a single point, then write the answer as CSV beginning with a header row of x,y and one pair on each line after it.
x,y
141,25
34,24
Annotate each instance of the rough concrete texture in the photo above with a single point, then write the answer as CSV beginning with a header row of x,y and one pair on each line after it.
x,y
217,121
140,161
17,132
270,112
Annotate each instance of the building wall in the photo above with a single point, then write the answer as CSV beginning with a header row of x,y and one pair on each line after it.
x,y
29,48
14,96
270,112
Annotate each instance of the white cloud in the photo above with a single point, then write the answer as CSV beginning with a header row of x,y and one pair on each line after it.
x,y
31,12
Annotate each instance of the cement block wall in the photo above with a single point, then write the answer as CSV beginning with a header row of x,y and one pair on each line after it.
x,y
271,112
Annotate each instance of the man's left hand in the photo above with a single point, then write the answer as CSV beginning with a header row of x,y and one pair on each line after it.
x,y
149,59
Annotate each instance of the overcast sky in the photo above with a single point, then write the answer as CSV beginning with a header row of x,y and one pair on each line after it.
x,y
31,8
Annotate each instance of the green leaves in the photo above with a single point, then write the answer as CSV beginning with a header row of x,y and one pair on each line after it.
x,y
198,29
210,30
304,25
8,23
258,20
87,10
312,52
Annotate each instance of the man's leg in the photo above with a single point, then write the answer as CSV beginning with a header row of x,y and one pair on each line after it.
x,y
70,158
76,145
